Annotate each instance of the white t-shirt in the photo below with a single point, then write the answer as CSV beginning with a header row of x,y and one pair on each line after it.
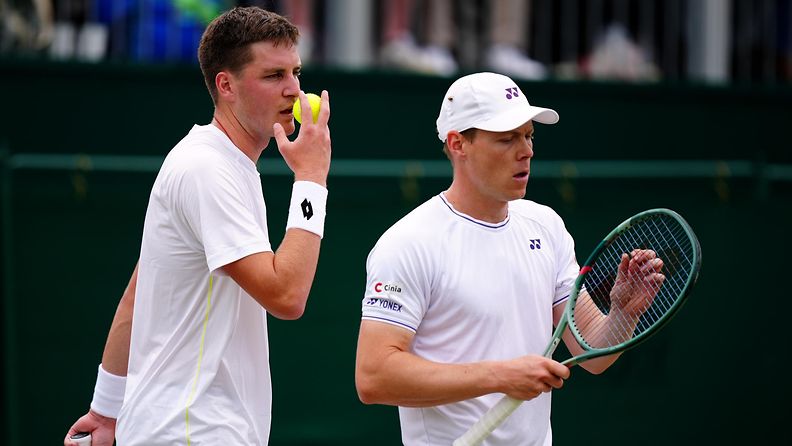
x,y
199,360
472,291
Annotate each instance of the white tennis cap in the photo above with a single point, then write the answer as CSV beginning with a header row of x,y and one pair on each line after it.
x,y
487,101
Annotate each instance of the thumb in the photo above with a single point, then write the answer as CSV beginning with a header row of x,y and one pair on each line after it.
x,y
280,136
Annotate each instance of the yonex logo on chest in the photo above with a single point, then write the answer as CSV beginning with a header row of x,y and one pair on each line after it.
x,y
535,244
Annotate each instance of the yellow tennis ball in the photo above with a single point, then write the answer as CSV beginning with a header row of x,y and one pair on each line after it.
x,y
315,102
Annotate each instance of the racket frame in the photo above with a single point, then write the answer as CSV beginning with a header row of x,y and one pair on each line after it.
x,y
506,405
569,309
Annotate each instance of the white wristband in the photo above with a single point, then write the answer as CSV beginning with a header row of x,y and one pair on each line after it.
x,y
108,394
307,208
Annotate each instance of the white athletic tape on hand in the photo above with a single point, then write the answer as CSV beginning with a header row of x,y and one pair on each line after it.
x,y
108,394
307,208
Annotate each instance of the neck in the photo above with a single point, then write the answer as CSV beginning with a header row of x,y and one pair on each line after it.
x,y
245,141
475,204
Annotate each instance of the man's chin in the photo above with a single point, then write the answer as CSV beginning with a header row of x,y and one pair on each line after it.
x,y
288,127
518,195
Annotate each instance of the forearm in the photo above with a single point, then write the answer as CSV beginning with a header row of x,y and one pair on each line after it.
x,y
387,372
280,282
115,358
295,263
596,365
404,379
599,331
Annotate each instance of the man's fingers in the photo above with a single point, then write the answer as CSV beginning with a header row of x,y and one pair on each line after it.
x,y
280,136
324,110
306,114
624,264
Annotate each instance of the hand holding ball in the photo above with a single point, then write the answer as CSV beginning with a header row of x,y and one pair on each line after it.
x,y
315,102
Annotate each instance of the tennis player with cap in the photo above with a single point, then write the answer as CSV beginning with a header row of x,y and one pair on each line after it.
x,y
462,293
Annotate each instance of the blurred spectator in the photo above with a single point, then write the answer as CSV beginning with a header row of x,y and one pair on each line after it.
x,y
698,40
504,37
615,56
506,53
137,30
25,26
399,48
303,14
78,34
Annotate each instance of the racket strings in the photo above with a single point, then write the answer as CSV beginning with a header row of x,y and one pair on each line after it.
x,y
670,241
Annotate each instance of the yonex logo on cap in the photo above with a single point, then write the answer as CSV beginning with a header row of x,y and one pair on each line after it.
x,y
512,92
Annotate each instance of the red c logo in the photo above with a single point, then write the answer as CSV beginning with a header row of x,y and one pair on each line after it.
x,y
378,287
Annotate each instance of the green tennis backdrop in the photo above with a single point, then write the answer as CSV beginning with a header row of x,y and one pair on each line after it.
x,y
81,146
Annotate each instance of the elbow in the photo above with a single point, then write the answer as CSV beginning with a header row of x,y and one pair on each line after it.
x,y
290,306
291,313
596,367
366,390
596,370
369,385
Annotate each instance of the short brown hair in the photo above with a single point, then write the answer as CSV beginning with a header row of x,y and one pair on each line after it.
x,y
225,44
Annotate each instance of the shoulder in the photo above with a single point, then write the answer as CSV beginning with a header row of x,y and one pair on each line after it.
x,y
420,224
199,159
417,231
545,216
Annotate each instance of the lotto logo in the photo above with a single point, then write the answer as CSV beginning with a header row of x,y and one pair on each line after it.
x,y
307,209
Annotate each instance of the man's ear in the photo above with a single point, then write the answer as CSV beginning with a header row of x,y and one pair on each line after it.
x,y
455,142
224,85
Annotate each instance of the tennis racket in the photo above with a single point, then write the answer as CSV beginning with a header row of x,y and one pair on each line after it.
x,y
612,309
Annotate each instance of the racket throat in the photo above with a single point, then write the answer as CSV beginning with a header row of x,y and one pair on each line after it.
x,y
552,347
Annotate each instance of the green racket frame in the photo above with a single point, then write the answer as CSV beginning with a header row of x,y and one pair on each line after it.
x,y
503,408
592,352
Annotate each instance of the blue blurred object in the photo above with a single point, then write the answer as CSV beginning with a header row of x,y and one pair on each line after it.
x,y
156,30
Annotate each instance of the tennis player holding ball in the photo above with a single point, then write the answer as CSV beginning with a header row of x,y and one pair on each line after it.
x,y
463,293
192,365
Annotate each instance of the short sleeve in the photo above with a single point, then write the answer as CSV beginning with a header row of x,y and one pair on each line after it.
x,y
397,283
220,207
567,266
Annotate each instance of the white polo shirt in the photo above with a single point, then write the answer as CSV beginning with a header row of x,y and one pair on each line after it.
x,y
472,291
199,360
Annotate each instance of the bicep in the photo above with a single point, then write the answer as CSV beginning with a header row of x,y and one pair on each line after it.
x,y
254,273
377,340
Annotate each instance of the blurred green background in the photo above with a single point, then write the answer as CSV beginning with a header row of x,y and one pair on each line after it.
x,y
720,156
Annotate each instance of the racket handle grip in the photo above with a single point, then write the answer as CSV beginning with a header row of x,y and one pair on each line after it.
x,y
82,439
492,419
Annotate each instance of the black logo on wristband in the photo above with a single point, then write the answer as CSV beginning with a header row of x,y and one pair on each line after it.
x,y
307,209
